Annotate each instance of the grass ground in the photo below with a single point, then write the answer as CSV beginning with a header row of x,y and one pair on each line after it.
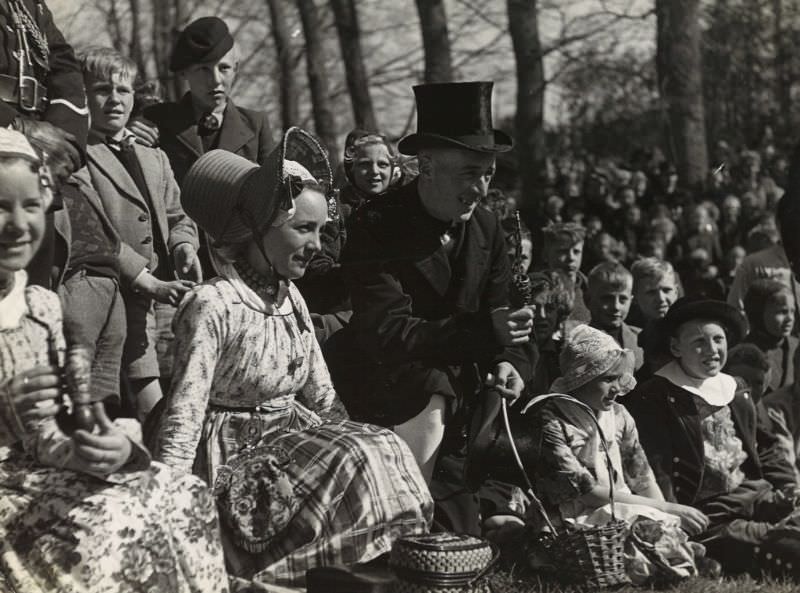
x,y
505,582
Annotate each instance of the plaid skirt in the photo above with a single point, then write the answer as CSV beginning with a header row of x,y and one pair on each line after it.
x,y
357,485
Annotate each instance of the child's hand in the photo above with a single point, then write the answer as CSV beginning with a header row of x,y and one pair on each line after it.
x,y
693,521
169,293
105,452
187,264
35,393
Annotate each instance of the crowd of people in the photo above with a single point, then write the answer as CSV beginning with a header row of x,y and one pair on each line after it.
x,y
223,364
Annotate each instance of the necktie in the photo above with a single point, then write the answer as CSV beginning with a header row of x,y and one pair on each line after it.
x,y
208,124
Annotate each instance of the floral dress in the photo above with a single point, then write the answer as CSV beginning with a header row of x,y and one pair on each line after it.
x,y
571,463
249,373
137,530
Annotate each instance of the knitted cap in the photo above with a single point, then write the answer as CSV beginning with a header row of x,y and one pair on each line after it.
x,y
587,354
232,198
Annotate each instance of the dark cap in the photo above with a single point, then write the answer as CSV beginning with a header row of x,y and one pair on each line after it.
x,y
206,39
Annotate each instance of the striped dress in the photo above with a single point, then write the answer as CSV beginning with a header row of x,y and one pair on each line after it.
x,y
244,364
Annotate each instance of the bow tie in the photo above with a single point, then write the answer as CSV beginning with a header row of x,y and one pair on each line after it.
x,y
208,124
123,145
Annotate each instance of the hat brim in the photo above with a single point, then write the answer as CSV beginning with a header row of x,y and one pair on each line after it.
x,y
410,144
728,316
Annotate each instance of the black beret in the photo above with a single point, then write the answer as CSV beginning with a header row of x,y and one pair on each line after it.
x,y
205,40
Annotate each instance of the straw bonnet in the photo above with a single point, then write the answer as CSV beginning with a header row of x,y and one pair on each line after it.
x,y
14,144
233,199
587,354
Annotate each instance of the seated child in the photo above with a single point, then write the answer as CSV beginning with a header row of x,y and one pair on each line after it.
x,y
699,434
142,201
370,167
563,253
608,297
656,287
769,306
85,511
571,472
783,407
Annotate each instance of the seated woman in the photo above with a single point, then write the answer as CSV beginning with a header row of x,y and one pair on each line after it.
x,y
770,310
700,436
570,472
85,511
251,389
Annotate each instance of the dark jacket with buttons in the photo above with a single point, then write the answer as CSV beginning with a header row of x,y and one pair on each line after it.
x,y
670,432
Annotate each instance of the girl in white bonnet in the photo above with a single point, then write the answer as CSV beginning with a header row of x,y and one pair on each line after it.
x,y
571,476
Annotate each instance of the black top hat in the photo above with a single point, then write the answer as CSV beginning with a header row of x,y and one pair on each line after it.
x,y
206,39
457,113
692,308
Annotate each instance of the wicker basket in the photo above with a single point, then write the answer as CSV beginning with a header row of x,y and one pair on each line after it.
x,y
442,563
586,556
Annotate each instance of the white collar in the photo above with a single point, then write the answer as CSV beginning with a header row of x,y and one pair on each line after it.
x,y
717,391
13,306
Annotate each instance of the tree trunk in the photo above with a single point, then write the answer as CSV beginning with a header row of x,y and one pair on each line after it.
x,y
135,45
435,41
322,108
529,121
283,47
783,80
680,81
356,73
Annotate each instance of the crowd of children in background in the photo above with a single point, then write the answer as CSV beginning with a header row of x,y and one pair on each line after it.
x,y
633,278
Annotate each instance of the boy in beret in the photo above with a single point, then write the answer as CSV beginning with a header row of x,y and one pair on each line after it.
x,y
207,58
699,430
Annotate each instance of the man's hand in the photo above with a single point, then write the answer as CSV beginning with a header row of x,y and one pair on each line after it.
x,y
506,381
146,132
168,293
512,328
60,147
35,393
105,452
187,264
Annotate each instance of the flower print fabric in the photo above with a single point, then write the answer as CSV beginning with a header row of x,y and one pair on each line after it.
x,y
67,532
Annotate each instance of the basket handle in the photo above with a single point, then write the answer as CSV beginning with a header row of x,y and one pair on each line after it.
x,y
535,402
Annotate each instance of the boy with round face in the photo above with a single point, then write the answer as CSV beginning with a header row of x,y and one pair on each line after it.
x,y
700,436
609,298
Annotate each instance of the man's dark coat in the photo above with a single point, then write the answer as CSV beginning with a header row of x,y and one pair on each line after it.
x,y
421,320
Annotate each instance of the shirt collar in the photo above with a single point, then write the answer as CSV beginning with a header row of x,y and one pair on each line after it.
x,y
718,390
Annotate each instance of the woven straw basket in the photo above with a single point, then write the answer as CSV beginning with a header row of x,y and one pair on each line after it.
x,y
442,563
590,556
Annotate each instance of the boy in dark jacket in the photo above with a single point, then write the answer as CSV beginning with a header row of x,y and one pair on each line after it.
x,y
699,433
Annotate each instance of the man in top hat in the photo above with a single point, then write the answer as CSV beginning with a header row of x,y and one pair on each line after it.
x,y
429,276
